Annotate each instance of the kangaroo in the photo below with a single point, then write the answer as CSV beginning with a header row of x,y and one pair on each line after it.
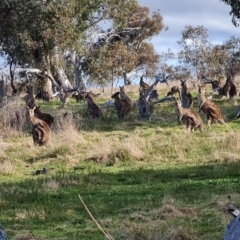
x,y
124,96
29,98
216,85
230,89
209,108
143,86
64,97
93,109
79,96
173,91
187,100
123,107
233,92
145,108
189,116
46,117
41,131
154,95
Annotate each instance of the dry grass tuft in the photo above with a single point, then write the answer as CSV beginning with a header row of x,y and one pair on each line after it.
x,y
13,121
51,185
134,145
115,147
151,226
65,119
7,167
127,150
171,211
158,223
178,233
101,149
69,136
27,236
225,149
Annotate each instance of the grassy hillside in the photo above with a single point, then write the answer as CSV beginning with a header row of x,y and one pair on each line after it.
x,y
140,180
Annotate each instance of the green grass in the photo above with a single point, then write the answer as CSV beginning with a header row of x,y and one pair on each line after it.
x,y
147,180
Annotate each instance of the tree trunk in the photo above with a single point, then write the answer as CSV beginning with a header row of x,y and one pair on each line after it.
x,y
14,90
78,79
1,91
78,72
61,78
47,90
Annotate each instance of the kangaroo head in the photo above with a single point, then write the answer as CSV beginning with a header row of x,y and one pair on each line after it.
x,y
201,89
183,83
121,88
177,102
31,111
116,95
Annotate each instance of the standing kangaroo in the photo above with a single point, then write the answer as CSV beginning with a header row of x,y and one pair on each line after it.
x,y
145,107
209,108
29,98
230,89
189,116
41,131
143,86
174,90
187,100
124,96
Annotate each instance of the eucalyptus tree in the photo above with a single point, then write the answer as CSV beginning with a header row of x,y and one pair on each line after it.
x,y
195,49
125,48
36,33
232,47
235,10
224,59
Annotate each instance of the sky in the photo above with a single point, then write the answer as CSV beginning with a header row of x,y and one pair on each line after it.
x,y
212,14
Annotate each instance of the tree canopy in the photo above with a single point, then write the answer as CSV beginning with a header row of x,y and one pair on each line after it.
x,y
38,33
235,10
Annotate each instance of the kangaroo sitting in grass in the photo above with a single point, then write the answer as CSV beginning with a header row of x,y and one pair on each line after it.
x,y
124,96
212,111
189,116
123,107
93,109
41,131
